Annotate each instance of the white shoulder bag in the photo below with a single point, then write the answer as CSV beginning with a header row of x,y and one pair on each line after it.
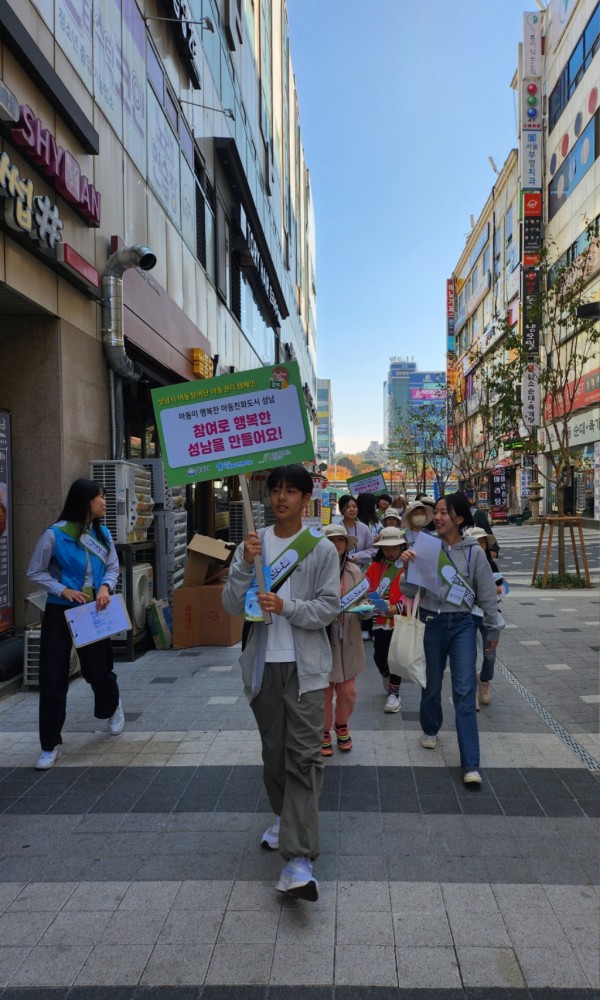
x,y
407,655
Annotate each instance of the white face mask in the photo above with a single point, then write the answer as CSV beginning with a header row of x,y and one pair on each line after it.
x,y
419,520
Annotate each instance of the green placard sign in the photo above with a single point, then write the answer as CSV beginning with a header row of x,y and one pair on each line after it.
x,y
367,482
234,424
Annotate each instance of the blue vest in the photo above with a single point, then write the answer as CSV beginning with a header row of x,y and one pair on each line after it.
x,y
70,559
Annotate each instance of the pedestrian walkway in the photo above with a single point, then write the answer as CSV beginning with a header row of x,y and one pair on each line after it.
x,y
135,863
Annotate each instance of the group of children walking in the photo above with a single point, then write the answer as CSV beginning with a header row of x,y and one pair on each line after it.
x,y
299,671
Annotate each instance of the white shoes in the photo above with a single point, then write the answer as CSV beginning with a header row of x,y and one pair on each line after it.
x,y
47,759
116,723
393,703
484,691
472,778
429,742
270,838
297,880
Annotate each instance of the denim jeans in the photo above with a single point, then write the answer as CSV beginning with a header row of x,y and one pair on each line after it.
x,y
451,636
489,659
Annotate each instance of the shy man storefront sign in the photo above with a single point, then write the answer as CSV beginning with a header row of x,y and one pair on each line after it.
x,y
233,425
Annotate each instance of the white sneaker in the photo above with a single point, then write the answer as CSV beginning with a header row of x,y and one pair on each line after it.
x,y
428,742
47,759
270,838
116,722
297,880
484,691
472,778
393,703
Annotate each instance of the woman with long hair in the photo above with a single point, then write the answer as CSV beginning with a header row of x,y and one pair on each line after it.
x,y
365,550
75,562
450,630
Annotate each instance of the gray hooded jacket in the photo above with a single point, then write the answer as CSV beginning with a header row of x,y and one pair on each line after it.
x,y
314,603
471,562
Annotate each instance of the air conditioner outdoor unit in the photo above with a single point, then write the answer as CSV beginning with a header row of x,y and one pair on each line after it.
x,y
31,658
129,502
143,592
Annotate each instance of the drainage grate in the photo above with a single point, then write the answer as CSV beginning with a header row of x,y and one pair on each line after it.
x,y
580,752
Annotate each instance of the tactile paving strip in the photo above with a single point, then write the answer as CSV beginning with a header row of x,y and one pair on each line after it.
x,y
580,752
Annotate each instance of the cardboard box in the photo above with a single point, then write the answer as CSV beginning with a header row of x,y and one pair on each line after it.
x,y
160,623
208,558
199,618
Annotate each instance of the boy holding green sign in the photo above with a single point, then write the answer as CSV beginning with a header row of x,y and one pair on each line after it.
x,y
286,667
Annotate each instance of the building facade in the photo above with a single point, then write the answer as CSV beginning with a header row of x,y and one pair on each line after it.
x,y
545,196
325,438
163,138
405,389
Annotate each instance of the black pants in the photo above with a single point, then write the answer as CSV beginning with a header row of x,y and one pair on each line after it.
x,y
96,667
382,638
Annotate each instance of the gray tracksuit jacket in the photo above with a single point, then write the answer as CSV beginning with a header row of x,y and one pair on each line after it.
x,y
315,602
476,569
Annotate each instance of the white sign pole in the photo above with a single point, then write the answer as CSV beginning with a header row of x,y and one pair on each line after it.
x,y
258,566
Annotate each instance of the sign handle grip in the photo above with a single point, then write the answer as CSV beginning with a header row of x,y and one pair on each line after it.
x,y
258,566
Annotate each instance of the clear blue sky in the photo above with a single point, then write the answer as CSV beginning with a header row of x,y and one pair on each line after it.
x,y
401,103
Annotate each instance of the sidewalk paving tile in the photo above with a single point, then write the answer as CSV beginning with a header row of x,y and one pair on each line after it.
x,y
133,868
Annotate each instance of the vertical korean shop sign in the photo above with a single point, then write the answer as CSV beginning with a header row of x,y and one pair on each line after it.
x,y
6,526
233,425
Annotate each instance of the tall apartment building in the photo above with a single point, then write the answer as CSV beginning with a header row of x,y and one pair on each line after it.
x,y
548,190
405,388
325,439
140,123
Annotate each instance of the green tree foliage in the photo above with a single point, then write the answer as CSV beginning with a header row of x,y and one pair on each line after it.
x,y
568,349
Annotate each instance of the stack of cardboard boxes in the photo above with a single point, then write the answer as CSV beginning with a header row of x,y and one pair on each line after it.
x,y
199,618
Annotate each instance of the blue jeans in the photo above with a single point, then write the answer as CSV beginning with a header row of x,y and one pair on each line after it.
x,y
451,635
489,659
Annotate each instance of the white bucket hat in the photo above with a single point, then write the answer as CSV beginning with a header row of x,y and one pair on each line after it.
x,y
391,536
392,512
339,531
412,507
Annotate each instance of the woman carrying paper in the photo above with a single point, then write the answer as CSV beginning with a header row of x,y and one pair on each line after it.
x,y
465,579
76,562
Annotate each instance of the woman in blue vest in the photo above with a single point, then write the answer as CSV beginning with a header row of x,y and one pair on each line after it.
x,y
76,562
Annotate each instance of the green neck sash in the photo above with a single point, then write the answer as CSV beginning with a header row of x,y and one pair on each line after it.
x,y
286,561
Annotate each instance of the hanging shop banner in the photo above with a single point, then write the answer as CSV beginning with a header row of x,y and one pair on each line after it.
x,y
6,526
531,310
499,495
367,482
530,395
233,425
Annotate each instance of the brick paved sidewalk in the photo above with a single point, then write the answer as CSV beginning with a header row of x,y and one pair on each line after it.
x,y
135,865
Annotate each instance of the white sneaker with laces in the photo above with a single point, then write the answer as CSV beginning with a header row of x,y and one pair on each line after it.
x,y
47,759
393,703
472,777
297,880
270,838
428,742
116,723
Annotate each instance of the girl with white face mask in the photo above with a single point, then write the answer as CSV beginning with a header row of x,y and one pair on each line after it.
x,y
416,517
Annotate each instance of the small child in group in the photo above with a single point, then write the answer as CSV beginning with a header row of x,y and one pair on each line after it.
x,y
384,577
391,518
347,649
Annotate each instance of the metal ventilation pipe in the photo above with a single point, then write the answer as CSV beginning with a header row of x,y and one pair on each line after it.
x,y
113,336
111,282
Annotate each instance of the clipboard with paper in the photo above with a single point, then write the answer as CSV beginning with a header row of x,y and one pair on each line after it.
x,y
87,625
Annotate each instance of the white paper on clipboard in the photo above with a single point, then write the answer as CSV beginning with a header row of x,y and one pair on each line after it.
x,y
87,625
